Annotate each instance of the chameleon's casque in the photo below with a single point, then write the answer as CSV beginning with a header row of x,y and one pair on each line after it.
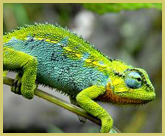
x,y
60,59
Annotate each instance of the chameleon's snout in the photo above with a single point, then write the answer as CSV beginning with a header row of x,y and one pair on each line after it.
x,y
153,95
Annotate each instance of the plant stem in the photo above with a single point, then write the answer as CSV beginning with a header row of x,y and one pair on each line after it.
x,y
60,102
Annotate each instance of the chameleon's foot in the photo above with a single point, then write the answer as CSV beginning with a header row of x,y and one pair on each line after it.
x,y
25,91
81,119
106,124
21,88
16,86
28,91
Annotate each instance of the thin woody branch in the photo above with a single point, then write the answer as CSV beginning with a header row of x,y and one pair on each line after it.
x,y
61,103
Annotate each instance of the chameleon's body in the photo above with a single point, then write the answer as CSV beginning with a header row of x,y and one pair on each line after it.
x,y
57,58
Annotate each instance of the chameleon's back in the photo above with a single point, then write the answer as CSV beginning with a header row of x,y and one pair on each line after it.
x,y
65,61
62,60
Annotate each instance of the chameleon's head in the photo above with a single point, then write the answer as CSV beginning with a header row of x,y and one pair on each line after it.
x,y
131,87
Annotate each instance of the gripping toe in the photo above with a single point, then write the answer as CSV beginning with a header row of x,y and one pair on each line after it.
x,y
16,87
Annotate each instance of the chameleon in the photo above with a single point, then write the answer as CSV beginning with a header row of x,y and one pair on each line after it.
x,y
55,57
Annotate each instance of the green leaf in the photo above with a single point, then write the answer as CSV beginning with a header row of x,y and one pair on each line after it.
x,y
102,8
20,13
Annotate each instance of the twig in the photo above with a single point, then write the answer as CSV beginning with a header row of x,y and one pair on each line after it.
x,y
61,103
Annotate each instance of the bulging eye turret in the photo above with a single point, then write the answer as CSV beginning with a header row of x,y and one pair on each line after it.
x,y
133,80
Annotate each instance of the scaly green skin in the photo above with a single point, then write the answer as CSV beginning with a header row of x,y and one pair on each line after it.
x,y
55,57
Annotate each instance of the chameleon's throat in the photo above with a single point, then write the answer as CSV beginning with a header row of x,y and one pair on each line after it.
x,y
110,97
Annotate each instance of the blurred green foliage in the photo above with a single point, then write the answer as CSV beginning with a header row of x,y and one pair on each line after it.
x,y
102,8
133,36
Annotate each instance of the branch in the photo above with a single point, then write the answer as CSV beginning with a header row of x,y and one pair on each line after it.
x,y
62,103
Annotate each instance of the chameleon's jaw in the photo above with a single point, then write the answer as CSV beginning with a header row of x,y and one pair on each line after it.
x,y
110,97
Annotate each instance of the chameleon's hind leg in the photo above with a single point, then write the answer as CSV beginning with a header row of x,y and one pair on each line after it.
x,y
23,63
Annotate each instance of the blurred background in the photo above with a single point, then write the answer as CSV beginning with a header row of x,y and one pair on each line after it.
x,y
134,36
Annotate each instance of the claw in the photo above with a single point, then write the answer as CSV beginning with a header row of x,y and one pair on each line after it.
x,y
16,87
81,119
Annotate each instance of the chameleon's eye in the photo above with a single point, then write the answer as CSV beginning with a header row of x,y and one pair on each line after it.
x,y
133,80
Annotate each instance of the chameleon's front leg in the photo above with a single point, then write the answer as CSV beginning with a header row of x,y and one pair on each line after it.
x,y
84,98
26,64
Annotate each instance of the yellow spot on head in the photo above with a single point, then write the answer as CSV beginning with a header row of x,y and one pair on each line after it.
x,y
117,81
120,85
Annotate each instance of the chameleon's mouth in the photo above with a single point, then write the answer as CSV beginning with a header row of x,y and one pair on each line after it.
x,y
110,97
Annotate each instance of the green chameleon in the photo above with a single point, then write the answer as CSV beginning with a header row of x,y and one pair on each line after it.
x,y
55,57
